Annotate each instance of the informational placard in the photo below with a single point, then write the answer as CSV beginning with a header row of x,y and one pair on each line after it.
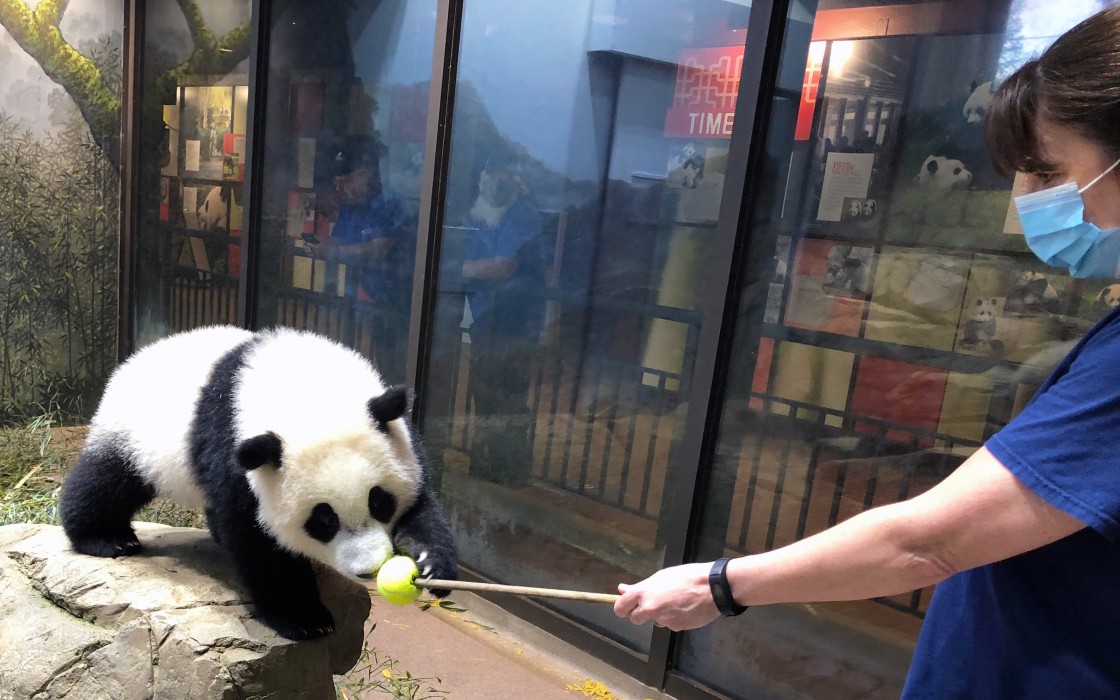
x,y
190,206
171,123
233,157
846,175
193,157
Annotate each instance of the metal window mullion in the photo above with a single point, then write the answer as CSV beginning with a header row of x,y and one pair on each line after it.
x,y
252,190
433,190
719,301
131,119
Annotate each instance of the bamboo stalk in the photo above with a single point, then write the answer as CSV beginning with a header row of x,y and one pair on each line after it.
x,y
515,590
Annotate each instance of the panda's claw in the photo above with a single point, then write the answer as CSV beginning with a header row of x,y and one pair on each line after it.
x,y
422,557
427,571
120,546
299,625
304,634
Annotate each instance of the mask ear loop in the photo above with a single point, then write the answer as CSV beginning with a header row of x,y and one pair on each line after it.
x,y
1098,178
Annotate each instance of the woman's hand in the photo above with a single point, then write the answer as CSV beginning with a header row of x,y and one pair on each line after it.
x,y
678,598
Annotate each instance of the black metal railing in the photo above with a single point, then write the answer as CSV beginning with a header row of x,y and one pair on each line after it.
x,y
803,468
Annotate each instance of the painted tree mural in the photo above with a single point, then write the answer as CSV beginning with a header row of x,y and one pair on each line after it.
x,y
97,94
60,191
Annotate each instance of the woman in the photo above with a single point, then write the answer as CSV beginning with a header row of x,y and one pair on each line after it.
x,y
1022,536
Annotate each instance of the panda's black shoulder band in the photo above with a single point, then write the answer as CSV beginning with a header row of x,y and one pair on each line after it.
x,y
260,450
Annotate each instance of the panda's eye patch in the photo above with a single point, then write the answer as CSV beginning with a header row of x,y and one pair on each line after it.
x,y
322,524
382,504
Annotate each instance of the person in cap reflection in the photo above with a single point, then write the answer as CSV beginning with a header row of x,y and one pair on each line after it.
x,y
503,272
375,236
1022,539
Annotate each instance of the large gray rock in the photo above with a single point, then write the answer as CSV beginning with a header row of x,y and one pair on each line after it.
x,y
171,622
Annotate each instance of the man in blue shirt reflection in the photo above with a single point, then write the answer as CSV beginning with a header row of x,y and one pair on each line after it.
x,y
375,236
503,273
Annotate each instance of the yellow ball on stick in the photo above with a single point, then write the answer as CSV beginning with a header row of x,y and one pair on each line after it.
x,y
394,580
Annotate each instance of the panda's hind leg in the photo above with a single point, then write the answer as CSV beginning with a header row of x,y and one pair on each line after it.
x,y
99,497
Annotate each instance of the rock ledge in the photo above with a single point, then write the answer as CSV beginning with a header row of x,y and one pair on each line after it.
x,y
170,622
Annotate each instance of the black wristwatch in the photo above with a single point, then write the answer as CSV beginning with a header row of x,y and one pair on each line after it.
x,y
721,590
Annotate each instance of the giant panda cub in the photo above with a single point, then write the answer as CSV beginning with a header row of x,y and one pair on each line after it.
x,y
289,442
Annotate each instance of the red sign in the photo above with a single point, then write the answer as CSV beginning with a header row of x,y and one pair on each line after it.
x,y
705,94
809,90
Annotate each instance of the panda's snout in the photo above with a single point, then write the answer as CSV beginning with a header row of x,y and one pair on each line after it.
x,y
361,554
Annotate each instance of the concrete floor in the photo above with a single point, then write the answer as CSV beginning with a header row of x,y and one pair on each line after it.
x,y
486,653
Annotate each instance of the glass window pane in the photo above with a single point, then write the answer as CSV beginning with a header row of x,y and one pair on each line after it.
x,y
346,118
192,145
586,172
892,318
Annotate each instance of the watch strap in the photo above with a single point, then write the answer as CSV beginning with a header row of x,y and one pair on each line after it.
x,y
721,590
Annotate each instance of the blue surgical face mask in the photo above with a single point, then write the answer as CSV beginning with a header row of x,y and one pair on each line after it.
x,y
1056,230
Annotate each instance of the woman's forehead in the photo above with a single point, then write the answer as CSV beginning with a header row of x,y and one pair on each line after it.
x,y
1060,145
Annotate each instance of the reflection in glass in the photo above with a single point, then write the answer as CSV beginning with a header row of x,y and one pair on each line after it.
x,y
891,321
347,92
192,140
584,184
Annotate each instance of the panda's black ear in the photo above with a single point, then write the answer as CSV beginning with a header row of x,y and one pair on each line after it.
x,y
260,450
394,403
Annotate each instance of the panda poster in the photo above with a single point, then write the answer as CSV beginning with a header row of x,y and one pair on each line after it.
x,y
830,283
846,176
1013,310
946,192
916,298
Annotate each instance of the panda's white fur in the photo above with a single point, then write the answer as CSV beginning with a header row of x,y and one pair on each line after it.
x,y
332,450
169,374
212,212
939,172
1110,296
261,430
978,103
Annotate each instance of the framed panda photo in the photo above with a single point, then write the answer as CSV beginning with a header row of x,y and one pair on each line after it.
x,y
946,192
861,213
830,284
1013,310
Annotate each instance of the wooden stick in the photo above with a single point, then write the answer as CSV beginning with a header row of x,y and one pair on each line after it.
x,y
515,590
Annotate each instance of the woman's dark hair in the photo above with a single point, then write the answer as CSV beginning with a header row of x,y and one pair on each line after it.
x,y
1075,84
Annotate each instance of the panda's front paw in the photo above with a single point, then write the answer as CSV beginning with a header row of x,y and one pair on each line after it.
x,y
440,565
424,534
122,545
312,622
